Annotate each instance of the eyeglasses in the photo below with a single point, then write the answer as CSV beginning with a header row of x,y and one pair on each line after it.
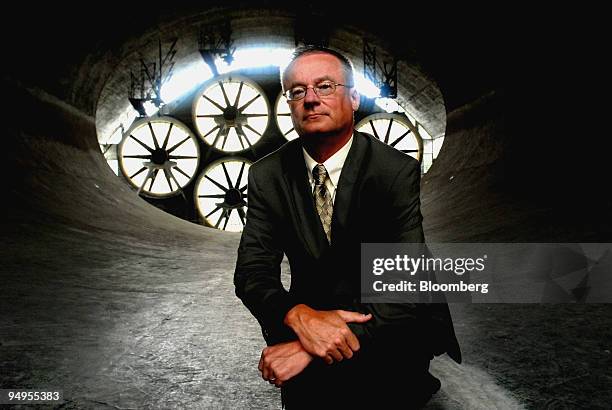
x,y
322,89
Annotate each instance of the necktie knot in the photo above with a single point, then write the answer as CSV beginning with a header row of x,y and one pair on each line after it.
x,y
319,173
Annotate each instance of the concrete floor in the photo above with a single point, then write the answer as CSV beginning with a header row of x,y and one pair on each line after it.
x,y
121,323
117,322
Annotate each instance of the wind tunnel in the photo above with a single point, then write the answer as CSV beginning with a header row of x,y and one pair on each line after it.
x,y
118,303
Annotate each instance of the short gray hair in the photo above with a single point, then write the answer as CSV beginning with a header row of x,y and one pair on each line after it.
x,y
347,65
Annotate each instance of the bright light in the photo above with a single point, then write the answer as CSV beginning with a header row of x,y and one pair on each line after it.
x,y
185,80
255,57
365,86
279,57
150,108
389,105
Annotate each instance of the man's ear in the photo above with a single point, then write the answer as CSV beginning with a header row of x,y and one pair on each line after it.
x,y
355,99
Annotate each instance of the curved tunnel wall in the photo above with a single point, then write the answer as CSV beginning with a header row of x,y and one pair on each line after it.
x,y
58,174
495,181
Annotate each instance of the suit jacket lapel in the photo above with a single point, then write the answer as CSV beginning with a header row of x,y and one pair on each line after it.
x,y
301,201
343,203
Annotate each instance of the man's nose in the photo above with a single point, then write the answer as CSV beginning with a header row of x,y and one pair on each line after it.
x,y
311,97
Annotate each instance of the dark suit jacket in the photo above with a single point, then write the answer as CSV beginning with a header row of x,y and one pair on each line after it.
x,y
377,200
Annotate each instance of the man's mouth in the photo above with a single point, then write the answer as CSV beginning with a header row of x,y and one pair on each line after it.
x,y
314,116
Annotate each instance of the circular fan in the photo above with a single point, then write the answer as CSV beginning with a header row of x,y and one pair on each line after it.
x,y
231,113
159,156
283,118
221,194
395,130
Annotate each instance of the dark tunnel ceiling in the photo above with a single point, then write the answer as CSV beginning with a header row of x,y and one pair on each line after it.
x,y
463,56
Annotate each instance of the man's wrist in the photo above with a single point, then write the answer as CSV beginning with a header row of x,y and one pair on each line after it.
x,y
293,314
299,348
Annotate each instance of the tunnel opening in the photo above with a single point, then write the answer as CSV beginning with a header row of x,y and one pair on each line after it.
x,y
209,107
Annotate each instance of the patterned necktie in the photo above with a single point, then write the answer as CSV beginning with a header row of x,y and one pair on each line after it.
x,y
325,207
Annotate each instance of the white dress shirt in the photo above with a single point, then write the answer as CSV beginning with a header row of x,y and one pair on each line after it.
x,y
333,165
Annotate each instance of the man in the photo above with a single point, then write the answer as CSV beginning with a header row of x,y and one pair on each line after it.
x,y
316,200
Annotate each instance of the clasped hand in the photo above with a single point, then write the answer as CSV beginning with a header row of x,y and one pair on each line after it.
x,y
321,334
283,361
324,333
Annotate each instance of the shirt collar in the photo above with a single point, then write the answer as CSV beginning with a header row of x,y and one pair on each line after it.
x,y
333,165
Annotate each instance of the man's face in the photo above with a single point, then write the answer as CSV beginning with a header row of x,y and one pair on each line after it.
x,y
312,114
